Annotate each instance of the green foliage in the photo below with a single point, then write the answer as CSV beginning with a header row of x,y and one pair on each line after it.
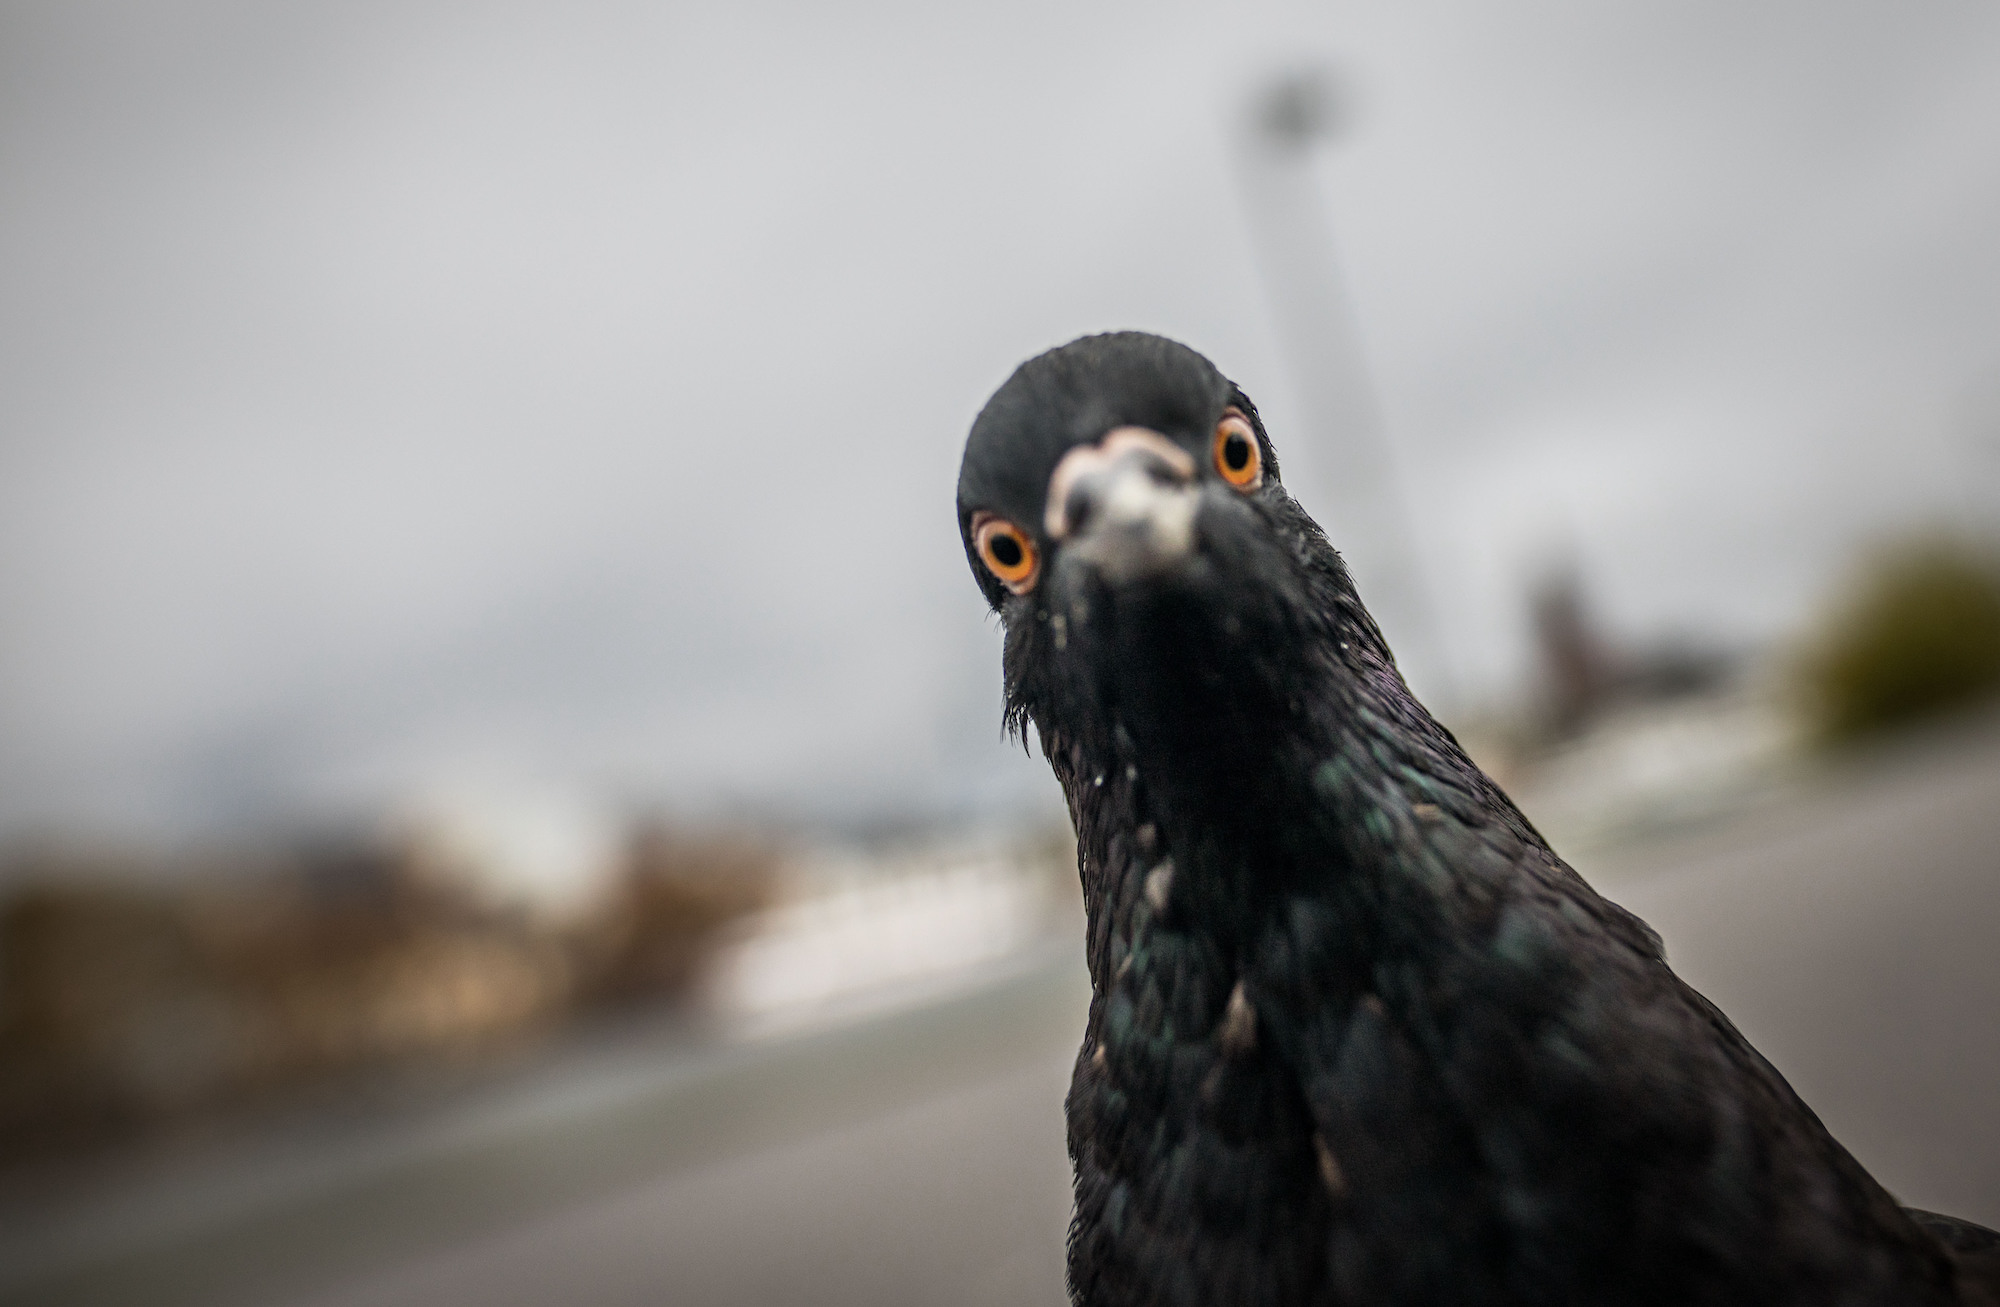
x,y
1917,637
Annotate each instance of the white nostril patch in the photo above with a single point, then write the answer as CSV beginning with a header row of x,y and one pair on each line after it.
x,y
1136,526
1133,497
1164,514
1169,461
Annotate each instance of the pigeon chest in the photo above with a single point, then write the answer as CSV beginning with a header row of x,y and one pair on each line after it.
x,y
1199,1176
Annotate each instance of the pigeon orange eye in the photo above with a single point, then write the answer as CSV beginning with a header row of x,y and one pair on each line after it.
x,y
1006,551
1236,454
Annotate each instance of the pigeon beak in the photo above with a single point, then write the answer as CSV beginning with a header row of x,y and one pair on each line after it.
x,y
1125,505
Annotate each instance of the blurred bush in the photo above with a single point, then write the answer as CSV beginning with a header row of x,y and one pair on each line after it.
x,y
670,911
132,994
1916,637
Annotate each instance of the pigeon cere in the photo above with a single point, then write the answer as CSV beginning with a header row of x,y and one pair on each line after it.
x,y
1356,1033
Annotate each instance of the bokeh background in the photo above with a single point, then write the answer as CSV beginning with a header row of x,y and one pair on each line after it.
x,y
501,789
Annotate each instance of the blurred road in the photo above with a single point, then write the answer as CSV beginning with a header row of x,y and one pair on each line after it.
x,y
912,1157
963,1199
1853,934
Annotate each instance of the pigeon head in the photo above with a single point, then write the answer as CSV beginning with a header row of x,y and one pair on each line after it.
x,y
1121,508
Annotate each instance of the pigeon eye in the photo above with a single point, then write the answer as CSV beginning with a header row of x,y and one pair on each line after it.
x,y
1236,454
1006,551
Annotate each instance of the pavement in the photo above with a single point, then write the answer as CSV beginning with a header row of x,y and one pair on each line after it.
x,y
901,1158
960,1199
917,1157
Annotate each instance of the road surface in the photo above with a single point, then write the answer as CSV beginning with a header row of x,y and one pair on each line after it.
x,y
1853,934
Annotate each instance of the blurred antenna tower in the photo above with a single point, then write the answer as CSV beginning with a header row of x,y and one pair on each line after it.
x,y
1350,467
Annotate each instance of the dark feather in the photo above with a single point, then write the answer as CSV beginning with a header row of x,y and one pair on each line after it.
x,y
1356,1034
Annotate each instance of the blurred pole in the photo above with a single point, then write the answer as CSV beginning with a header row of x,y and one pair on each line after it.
x,y
1351,466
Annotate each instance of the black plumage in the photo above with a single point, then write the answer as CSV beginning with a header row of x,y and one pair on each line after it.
x,y
1356,1034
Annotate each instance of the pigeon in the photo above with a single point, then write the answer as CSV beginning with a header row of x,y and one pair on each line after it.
x,y
1356,1034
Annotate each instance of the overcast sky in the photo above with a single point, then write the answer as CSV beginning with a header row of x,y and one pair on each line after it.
x,y
569,398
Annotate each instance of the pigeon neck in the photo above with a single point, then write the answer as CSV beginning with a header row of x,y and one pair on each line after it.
x,y
1337,805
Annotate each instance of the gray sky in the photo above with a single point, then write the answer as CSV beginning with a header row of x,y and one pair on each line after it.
x,y
570,397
